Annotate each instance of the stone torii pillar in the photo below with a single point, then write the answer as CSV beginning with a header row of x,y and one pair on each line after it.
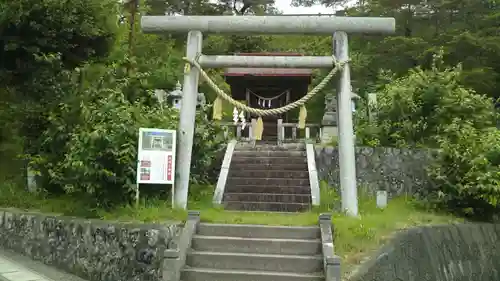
x,y
300,25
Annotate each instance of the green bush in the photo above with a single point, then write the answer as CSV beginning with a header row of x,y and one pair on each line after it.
x,y
413,109
466,173
90,146
431,109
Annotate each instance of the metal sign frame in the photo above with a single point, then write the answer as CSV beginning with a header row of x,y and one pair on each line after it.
x,y
154,154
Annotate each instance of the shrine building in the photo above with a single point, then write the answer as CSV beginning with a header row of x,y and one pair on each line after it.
x,y
267,88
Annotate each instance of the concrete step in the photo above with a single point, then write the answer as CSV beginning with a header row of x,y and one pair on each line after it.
x,y
271,147
209,274
269,167
257,245
268,197
267,189
263,173
267,181
266,206
247,261
268,160
259,231
269,153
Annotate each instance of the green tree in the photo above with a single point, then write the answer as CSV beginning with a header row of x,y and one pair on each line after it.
x,y
414,109
38,41
75,30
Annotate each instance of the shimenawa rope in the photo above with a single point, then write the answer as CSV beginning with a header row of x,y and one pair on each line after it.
x,y
265,112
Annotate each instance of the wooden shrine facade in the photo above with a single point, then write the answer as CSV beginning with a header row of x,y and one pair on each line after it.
x,y
268,88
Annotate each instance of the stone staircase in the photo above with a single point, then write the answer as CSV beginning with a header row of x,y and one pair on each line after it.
x,y
222,252
268,177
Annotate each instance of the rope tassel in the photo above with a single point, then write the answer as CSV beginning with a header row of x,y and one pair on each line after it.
x,y
259,129
302,117
217,109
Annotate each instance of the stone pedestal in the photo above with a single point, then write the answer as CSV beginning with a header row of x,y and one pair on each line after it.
x,y
328,133
329,127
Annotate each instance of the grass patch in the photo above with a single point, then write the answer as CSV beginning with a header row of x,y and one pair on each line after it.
x,y
355,238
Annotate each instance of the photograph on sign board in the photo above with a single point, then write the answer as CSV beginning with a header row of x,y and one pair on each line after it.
x,y
157,141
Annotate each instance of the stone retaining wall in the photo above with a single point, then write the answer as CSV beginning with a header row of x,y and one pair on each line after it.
x,y
399,171
462,252
92,249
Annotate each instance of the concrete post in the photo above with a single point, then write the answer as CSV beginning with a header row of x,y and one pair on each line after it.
x,y
187,122
331,262
175,259
251,133
280,129
347,162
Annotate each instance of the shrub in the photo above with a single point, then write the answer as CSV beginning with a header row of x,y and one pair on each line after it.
x,y
430,108
415,108
466,171
91,144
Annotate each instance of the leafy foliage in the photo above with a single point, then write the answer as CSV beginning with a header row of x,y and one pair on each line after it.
x,y
430,109
466,173
413,109
77,30
90,146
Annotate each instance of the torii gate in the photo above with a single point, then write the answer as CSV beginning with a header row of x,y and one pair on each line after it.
x,y
300,25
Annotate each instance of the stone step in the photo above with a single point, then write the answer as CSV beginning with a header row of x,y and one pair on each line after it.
x,y
209,274
263,173
267,181
269,166
270,153
266,206
268,197
259,231
247,261
270,147
268,160
267,141
257,245
267,189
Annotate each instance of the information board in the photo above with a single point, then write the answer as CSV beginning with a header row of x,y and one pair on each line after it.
x,y
156,156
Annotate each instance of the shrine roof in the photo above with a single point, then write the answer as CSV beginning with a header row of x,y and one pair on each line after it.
x,y
268,72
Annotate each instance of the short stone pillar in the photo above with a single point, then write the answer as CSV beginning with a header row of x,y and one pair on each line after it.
x,y
372,107
31,182
329,124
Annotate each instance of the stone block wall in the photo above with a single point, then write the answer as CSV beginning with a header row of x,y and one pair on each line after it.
x,y
399,171
92,249
462,252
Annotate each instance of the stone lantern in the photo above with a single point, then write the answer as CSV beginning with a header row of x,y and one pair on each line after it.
x,y
175,97
329,123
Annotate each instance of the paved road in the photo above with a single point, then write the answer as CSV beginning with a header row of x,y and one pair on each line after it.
x,y
14,267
